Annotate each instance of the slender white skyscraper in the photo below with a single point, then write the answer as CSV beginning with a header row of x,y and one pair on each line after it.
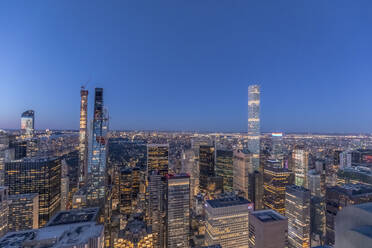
x,y
254,124
83,137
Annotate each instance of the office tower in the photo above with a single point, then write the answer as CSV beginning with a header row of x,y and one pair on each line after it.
x,y
36,175
190,165
254,124
136,234
277,147
300,159
75,228
317,220
157,208
126,191
178,211
20,149
97,167
354,226
338,197
345,159
242,166
83,137
297,210
316,183
23,212
267,229
28,122
4,210
227,222
206,166
275,180
224,168
157,158
355,174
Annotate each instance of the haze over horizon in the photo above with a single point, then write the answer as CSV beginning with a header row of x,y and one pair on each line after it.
x,y
169,65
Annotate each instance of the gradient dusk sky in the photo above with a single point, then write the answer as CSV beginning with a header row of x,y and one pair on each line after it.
x,y
187,64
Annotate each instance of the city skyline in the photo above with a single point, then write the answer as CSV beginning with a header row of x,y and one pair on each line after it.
x,y
187,66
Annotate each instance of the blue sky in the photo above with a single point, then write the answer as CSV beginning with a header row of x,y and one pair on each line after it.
x,y
186,65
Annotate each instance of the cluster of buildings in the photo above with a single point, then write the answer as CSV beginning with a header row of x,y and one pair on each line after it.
x,y
97,188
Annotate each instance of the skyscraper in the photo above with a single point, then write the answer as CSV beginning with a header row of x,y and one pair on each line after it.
x,y
337,198
157,208
28,122
242,165
36,175
97,167
83,137
264,224
23,212
300,159
254,124
178,211
206,166
227,222
297,210
157,158
224,168
275,180
4,210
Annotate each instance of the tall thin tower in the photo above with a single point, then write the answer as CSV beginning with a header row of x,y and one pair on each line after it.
x,y
83,137
254,124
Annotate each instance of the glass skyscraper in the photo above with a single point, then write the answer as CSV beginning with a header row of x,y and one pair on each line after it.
x,y
28,122
254,124
97,166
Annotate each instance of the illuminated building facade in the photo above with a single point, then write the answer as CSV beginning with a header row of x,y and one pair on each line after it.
x,y
277,147
83,137
227,222
135,235
36,175
157,208
178,211
206,166
224,168
300,159
254,124
242,167
97,166
23,212
28,122
158,158
126,191
275,180
297,210
4,210
337,198
264,224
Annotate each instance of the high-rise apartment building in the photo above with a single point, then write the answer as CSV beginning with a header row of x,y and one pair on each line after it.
x,y
224,168
36,175
97,166
178,211
83,137
297,210
277,147
300,159
23,212
254,124
28,122
337,198
275,180
267,229
4,210
227,222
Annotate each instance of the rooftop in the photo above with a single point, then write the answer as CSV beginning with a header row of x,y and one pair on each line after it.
x,y
53,236
267,215
74,216
228,201
178,176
